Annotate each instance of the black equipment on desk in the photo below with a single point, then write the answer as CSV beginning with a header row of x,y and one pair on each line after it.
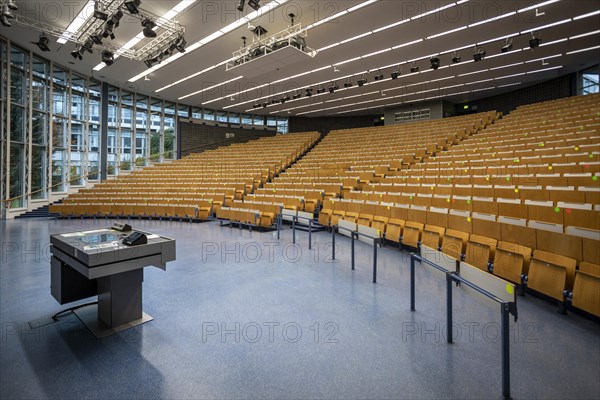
x,y
136,238
121,227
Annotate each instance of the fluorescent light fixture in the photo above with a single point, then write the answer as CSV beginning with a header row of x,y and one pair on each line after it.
x,y
447,32
543,58
376,52
582,50
485,21
539,5
497,39
539,28
436,10
77,23
547,69
210,87
590,14
361,5
213,36
356,37
582,35
383,28
407,44
169,15
509,84
506,66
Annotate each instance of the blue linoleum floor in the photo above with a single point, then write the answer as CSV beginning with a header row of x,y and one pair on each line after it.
x,y
242,315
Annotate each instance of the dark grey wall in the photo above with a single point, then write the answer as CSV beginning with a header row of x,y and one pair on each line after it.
x,y
435,107
197,136
554,89
324,125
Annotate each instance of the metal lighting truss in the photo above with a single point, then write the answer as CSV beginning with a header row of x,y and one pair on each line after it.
x,y
169,30
292,36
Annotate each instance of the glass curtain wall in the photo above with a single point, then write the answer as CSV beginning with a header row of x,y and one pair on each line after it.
x,y
40,122
61,101
93,137
3,127
19,127
50,128
141,130
79,118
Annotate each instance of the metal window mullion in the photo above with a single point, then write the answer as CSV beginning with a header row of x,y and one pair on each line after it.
x,y
8,129
69,90
50,132
86,126
29,114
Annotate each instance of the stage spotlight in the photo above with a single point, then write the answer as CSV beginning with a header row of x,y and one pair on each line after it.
x,y
240,6
362,81
379,76
534,41
254,4
88,45
108,57
180,44
333,87
348,83
6,16
43,42
395,74
98,13
479,54
508,46
97,36
414,68
149,62
12,5
77,53
149,26
321,89
455,58
132,6
256,105
309,92
297,95
113,21
435,62
264,105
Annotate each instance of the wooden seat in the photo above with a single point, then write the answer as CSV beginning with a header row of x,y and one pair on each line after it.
x,y
454,243
412,233
586,289
394,229
550,273
432,236
480,251
511,261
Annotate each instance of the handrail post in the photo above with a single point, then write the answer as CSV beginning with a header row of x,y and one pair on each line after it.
x,y
505,351
449,307
333,242
412,282
374,260
352,236
310,234
294,229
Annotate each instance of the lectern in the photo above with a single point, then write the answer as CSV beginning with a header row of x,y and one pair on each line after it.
x,y
98,263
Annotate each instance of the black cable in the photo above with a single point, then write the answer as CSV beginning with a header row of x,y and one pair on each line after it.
x,y
55,316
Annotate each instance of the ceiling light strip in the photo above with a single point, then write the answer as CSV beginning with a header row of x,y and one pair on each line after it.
x,y
169,15
77,23
213,36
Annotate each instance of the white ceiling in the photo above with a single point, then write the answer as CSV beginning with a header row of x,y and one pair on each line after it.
x,y
499,73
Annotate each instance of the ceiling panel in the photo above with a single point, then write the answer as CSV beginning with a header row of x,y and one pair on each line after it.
x,y
206,17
